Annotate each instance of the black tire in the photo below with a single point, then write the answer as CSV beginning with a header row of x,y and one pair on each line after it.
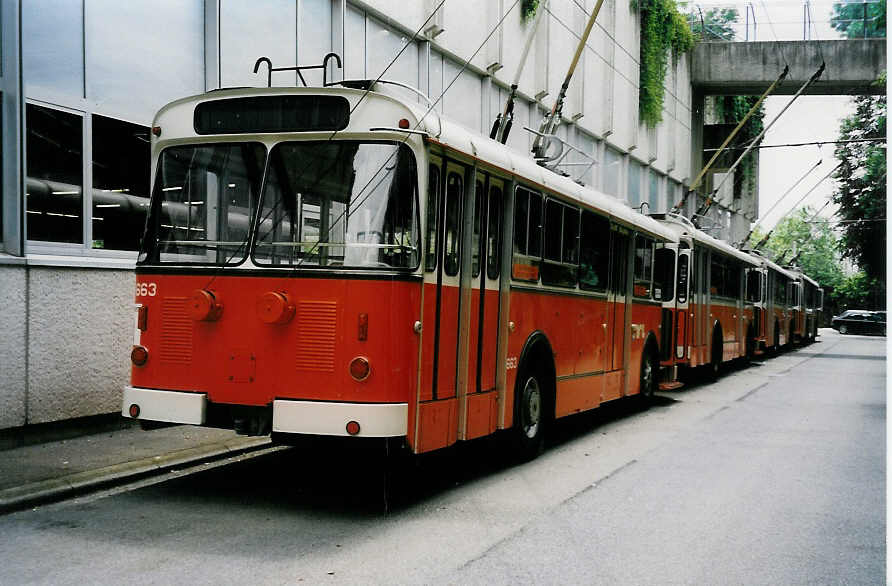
x,y
529,414
843,329
647,380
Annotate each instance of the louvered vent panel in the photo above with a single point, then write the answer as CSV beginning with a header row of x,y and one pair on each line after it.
x,y
176,332
317,323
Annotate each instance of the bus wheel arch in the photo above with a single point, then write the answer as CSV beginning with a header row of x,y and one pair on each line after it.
x,y
534,396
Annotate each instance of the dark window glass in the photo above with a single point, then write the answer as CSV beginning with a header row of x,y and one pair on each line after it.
x,y
683,279
594,258
619,282
527,235
433,202
643,266
339,204
494,233
479,210
664,274
120,183
554,213
753,285
54,183
732,278
452,241
272,114
202,203
570,249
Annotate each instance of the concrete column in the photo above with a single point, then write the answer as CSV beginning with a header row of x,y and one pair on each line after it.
x,y
12,116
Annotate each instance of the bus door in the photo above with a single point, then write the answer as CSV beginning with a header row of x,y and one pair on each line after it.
x,y
437,412
682,304
700,309
478,400
618,310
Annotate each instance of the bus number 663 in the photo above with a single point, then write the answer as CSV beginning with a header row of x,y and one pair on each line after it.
x,y
146,289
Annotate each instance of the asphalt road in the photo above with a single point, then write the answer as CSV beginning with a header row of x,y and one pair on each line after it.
x,y
774,475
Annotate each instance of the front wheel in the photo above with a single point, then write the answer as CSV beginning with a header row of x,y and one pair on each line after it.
x,y
529,417
843,329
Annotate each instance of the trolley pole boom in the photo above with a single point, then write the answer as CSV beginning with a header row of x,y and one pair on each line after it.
x,y
696,183
553,118
780,199
502,125
711,199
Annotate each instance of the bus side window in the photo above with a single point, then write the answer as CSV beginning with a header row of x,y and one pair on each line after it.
x,y
561,244
452,240
664,274
594,256
527,235
433,200
643,267
479,208
494,233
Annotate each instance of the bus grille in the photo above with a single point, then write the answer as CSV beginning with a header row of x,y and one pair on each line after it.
x,y
317,328
176,331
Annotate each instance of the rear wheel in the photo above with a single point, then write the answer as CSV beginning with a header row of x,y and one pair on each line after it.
x,y
843,329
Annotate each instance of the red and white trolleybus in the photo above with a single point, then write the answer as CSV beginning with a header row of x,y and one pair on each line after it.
x,y
331,261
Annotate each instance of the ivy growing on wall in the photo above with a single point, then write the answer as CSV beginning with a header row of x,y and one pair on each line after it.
x,y
663,29
731,110
528,9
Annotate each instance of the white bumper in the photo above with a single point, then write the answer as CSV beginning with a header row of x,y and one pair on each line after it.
x,y
319,418
168,406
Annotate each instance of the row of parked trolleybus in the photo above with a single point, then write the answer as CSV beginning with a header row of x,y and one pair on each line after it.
x,y
344,262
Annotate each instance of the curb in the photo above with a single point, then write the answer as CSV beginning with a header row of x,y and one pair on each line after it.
x,y
52,489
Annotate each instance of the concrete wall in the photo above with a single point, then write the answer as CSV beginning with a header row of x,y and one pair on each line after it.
x,y
65,337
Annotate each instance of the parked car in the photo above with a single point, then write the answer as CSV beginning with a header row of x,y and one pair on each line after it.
x,y
859,321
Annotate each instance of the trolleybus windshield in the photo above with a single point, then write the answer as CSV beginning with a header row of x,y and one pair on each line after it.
x,y
202,204
339,204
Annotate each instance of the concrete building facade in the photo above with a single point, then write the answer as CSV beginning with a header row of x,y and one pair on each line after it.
x,y
81,82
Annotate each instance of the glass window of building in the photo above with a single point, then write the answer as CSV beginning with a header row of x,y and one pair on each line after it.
x,y
55,171
354,50
653,191
314,36
53,47
249,30
612,164
635,173
383,44
141,54
463,99
120,183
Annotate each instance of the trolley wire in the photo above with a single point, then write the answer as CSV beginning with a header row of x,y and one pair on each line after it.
x,y
818,143
774,32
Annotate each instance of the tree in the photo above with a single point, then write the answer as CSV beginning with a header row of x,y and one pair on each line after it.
x,y
715,24
857,19
861,192
814,242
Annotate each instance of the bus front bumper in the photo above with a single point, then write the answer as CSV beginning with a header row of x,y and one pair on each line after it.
x,y
301,417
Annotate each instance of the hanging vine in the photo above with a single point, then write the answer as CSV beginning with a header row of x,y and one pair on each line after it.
x,y
663,29
731,110
528,9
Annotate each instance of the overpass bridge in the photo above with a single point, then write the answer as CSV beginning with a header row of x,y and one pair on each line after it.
x,y
748,68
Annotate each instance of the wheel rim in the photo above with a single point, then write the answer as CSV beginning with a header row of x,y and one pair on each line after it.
x,y
843,329
530,408
647,378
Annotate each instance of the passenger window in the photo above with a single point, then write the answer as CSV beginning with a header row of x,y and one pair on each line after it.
x,y
433,199
479,203
594,256
643,268
452,240
664,274
527,235
561,244
494,233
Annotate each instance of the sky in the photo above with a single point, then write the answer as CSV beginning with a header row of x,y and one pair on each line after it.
x,y
809,119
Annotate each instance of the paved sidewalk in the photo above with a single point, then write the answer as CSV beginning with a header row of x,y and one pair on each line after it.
x,y
34,474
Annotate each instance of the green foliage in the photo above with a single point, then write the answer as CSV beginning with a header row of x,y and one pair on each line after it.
x,y
715,24
814,241
861,192
859,291
857,20
663,29
731,110
528,9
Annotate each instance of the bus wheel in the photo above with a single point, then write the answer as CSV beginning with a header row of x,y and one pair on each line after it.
x,y
529,415
648,378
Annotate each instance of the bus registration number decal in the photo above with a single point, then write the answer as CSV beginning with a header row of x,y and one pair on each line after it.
x,y
146,289
511,363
